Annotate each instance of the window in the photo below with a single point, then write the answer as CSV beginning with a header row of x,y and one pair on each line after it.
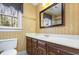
x,y
10,16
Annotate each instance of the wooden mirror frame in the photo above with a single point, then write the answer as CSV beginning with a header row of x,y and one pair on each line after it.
x,y
62,12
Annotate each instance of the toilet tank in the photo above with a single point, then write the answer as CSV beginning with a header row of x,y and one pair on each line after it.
x,y
6,44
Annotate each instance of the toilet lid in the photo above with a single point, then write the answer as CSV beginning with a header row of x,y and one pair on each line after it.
x,y
9,52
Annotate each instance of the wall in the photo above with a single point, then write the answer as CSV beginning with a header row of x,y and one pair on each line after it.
x,y
71,21
29,17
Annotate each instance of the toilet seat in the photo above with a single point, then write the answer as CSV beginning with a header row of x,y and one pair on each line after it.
x,y
9,52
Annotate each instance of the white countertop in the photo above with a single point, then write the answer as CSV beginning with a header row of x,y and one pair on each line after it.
x,y
66,40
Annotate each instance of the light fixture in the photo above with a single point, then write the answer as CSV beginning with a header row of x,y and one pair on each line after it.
x,y
46,4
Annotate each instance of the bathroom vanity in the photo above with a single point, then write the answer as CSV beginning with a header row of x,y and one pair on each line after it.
x,y
41,44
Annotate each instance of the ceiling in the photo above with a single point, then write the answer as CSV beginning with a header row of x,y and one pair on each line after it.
x,y
34,4
55,10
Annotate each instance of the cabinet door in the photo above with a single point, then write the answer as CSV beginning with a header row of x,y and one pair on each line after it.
x,y
41,47
52,50
34,46
41,51
29,45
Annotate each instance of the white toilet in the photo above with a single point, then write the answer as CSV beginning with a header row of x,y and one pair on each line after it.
x,y
7,46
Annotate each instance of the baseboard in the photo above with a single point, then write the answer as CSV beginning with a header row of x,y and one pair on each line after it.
x,y
22,53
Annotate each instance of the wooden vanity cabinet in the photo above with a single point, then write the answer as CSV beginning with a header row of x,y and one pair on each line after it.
x,y
29,45
34,46
41,47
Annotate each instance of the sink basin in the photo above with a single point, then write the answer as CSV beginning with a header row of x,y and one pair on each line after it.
x,y
46,35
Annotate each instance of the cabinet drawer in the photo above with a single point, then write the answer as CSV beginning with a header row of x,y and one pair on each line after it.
x,y
41,51
41,47
42,44
57,49
52,50
34,43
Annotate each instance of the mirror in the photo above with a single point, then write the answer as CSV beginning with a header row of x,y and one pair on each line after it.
x,y
52,16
